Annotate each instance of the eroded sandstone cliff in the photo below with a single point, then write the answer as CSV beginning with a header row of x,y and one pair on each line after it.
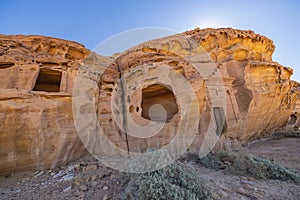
x,y
36,77
232,74
235,91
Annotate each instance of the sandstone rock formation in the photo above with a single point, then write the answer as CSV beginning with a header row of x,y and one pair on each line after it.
x,y
294,121
211,83
36,77
258,94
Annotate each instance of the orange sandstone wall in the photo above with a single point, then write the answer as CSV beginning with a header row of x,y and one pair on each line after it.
x,y
227,70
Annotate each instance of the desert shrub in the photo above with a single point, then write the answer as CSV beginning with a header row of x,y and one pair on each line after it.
x,y
177,181
210,161
262,168
247,165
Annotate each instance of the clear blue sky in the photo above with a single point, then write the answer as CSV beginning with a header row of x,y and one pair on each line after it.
x,y
91,22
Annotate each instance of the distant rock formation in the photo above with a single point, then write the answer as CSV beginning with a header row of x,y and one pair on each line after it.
x,y
240,94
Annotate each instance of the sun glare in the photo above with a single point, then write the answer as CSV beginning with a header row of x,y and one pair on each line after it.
x,y
211,23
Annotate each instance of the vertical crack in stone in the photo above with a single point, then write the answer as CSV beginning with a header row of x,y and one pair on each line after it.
x,y
124,108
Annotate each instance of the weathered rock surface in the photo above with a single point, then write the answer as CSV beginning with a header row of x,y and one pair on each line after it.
x,y
24,58
294,121
36,80
217,81
231,73
37,131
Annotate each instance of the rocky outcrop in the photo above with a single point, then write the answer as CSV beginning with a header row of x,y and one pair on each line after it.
x,y
37,131
296,111
212,83
39,63
294,120
36,82
242,95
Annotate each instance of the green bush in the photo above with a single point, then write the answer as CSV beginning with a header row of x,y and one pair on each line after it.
x,y
177,181
262,168
247,165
